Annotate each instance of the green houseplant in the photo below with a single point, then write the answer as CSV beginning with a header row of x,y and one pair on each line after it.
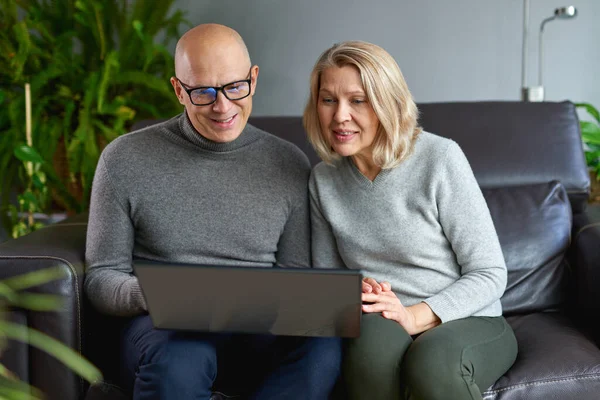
x,y
95,67
590,134
13,293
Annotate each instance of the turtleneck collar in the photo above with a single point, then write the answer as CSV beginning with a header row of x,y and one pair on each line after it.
x,y
191,135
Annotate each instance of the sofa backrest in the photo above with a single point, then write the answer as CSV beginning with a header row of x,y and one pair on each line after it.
x,y
507,143
514,143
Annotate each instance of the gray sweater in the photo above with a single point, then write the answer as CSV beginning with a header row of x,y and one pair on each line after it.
x,y
166,193
424,226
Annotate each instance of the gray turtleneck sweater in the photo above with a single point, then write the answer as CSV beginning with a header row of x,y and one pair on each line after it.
x,y
424,226
165,193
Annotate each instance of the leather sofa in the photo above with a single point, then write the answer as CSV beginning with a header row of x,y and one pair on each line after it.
x,y
528,159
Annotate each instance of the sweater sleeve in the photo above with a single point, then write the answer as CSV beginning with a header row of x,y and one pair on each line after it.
x,y
467,223
293,249
109,282
324,247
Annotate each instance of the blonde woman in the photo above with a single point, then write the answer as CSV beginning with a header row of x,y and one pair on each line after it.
x,y
403,206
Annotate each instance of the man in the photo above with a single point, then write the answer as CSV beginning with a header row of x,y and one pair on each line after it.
x,y
206,188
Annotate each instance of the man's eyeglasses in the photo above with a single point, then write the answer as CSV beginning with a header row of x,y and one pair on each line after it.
x,y
205,95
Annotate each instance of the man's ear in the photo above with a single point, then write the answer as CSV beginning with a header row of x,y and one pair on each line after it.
x,y
254,76
178,91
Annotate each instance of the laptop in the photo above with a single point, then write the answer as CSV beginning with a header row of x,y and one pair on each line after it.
x,y
278,301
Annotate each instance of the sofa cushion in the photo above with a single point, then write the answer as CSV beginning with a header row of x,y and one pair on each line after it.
x,y
533,223
555,361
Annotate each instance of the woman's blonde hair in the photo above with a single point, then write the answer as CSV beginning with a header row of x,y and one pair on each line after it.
x,y
387,93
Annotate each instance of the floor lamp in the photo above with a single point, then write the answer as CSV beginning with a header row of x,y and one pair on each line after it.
x,y
536,93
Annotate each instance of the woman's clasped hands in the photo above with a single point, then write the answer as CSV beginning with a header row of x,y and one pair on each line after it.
x,y
378,297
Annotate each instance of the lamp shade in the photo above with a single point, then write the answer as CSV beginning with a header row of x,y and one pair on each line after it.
x,y
565,12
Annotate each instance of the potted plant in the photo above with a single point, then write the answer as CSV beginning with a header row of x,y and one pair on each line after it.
x,y
95,67
590,134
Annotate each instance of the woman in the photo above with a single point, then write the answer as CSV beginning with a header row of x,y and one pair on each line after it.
x,y
403,206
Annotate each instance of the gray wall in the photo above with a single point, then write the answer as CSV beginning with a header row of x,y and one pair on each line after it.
x,y
447,50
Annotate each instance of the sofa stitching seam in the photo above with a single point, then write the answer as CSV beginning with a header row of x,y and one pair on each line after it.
x,y
76,292
542,382
585,227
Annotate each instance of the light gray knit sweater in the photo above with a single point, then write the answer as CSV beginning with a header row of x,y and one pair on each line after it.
x,y
424,226
166,193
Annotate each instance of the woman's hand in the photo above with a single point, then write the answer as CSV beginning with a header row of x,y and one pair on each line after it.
x,y
370,285
414,319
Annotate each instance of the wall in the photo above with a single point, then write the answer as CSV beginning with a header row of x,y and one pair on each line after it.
x,y
447,50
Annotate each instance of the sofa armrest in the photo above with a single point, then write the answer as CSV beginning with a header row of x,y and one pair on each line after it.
x,y
60,245
584,256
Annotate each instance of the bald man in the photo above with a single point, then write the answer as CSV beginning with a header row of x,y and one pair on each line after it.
x,y
204,187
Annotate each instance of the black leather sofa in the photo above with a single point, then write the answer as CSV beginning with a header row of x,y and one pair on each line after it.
x,y
529,161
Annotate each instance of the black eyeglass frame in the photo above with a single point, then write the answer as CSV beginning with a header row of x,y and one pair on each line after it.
x,y
221,89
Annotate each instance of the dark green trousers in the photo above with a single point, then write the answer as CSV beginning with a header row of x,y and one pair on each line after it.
x,y
454,361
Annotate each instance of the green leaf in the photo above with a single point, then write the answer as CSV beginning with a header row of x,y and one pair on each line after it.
x,y
61,191
63,353
5,371
8,293
31,301
138,27
14,389
74,155
590,132
28,154
22,35
39,301
144,79
590,109
30,200
111,66
35,278
39,180
109,134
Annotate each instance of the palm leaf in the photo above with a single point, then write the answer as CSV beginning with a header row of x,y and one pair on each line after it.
x,y
22,35
13,389
35,278
111,67
31,301
146,80
63,353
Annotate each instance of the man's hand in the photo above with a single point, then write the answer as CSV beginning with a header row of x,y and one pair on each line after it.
x,y
414,319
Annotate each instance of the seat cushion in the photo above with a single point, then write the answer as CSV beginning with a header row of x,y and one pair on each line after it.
x,y
555,361
533,223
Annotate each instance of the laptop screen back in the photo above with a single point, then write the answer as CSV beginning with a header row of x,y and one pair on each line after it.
x,y
279,301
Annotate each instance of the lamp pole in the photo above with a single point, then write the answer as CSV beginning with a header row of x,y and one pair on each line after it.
x,y
541,51
524,50
536,93
532,93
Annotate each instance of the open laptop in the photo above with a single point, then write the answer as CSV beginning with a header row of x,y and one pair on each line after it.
x,y
279,301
